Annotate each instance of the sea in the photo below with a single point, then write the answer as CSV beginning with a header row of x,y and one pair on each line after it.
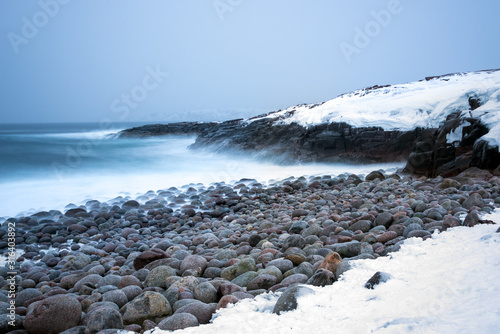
x,y
57,166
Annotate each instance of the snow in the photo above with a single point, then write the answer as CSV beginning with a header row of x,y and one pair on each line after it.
x,y
445,284
425,103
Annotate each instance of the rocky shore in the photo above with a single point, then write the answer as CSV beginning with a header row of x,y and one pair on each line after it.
x,y
171,258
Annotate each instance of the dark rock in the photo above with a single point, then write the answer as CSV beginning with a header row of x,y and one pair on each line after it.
x,y
73,212
374,175
178,321
254,240
25,295
321,277
384,219
288,299
6,323
53,315
376,279
148,256
181,128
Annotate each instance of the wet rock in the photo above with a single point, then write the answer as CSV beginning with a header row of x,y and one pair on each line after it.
x,y
376,279
288,299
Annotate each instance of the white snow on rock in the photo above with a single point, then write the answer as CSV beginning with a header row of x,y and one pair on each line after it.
x,y
424,103
446,284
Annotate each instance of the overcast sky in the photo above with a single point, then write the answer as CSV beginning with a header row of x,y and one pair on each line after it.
x,y
166,60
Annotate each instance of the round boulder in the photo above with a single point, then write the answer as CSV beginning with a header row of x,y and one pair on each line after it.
x,y
53,315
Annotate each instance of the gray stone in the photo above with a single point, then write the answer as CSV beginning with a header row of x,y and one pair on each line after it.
x,y
206,293
474,199
148,305
362,225
376,279
25,295
178,321
384,219
282,264
158,276
243,266
193,262
411,227
116,296
203,312
102,318
262,281
245,278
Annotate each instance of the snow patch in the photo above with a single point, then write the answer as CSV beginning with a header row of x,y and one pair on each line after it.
x,y
445,284
425,104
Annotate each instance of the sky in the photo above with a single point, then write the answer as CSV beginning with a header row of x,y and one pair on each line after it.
x,y
164,60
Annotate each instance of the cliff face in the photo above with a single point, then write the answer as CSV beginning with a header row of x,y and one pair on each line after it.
x,y
434,154
440,126
333,142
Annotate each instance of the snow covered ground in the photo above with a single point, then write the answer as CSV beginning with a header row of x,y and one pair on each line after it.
x,y
404,107
447,284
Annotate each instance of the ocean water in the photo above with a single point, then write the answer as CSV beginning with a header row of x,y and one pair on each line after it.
x,y
49,166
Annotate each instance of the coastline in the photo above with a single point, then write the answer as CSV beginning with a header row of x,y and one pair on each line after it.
x,y
225,243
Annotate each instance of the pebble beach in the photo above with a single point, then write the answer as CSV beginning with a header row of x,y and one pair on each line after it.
x,y
171,258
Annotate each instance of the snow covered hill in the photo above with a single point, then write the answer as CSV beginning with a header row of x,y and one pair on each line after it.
x,y
404,107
